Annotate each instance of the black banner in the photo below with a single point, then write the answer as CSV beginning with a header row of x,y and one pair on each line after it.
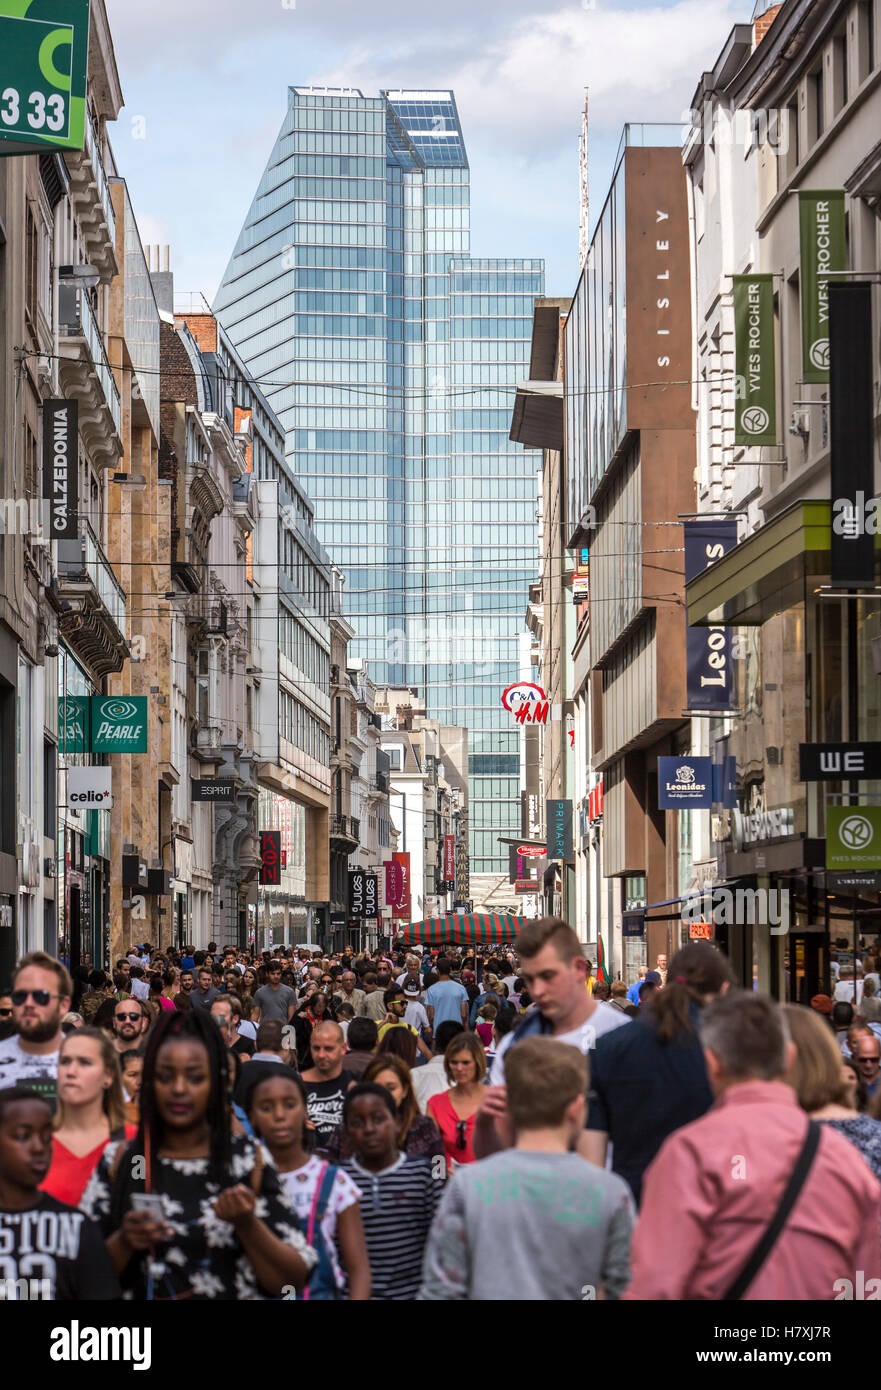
x,y
270,857
839,762
216,789
559,825
851,445
358,893
61,467
371,896
707,649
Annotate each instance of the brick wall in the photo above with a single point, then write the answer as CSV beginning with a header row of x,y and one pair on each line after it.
x,y
763,24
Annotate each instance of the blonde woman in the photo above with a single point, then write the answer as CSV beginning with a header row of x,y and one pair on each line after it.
x,y
91,1112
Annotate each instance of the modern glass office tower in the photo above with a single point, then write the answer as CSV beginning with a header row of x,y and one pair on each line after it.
x,y
391,356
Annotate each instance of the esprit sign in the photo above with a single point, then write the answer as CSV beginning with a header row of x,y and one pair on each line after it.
x,y
527,702
752,827
119,724
89,788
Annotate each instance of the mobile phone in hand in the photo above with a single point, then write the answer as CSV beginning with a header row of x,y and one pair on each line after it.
x,y
148,1201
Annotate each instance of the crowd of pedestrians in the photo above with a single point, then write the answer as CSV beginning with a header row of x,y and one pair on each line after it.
x,y
426,1125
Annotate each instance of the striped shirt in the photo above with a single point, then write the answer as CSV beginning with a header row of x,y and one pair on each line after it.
x,y
397,1208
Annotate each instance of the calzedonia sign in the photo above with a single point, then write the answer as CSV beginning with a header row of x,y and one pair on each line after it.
x,y
61,466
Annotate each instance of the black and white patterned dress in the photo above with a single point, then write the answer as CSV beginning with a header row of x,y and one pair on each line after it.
x,y
204,1257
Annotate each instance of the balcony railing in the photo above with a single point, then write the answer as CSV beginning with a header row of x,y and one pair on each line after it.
x,y
76,320
83,558
345,828
94,152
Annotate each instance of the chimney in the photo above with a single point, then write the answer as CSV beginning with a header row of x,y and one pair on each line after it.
x,y
762,24
162,280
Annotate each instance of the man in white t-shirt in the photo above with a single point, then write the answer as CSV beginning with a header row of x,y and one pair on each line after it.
x,y
41,991
554,970
415,1013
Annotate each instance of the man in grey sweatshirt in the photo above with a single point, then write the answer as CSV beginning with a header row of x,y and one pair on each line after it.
x,y
535,1221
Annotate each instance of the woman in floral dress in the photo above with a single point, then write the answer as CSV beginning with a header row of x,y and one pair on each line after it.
x,y
189,1210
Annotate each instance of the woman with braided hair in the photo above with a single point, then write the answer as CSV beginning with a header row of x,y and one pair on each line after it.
x,y
651,1078
188,1209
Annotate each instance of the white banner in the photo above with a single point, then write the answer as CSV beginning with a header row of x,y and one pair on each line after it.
x,y
89,788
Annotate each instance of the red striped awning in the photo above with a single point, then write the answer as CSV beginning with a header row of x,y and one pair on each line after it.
x,y
471,929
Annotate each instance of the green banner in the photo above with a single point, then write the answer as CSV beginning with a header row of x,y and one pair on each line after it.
x,y
119,723
853,837
823,248
44,64
755,408
73,723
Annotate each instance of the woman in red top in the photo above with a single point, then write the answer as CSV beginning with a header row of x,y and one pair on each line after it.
x,y
454,1111
91,1111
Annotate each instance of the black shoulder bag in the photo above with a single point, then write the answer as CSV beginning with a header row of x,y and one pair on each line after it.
x,y
787,1202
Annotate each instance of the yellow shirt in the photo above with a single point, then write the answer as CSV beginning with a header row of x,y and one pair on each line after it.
x,y
590,982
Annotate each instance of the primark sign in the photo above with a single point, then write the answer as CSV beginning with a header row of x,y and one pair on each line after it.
x,y
838,762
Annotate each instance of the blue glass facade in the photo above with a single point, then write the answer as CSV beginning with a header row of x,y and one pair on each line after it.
x,y
390,356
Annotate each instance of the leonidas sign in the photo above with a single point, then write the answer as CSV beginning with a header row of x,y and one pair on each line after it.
x,y
685,784
89,788
119,724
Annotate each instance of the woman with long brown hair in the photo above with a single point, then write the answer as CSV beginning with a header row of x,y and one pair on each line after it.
x,y
91,1112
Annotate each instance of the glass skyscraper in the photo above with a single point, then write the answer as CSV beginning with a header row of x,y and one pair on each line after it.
x,y
390,356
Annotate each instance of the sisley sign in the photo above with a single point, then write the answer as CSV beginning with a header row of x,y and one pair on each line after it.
x,y
685,784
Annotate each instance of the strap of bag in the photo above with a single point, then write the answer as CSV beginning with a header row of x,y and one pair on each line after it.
x,y
763,1249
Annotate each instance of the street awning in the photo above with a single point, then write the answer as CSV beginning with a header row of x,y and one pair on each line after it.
x,y
537,420
766,572
471,929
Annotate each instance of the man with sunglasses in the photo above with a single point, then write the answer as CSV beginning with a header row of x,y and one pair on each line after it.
x,y
40,997
7,1027
130,1022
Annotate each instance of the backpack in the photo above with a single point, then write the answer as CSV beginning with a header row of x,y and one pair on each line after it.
x,y
322,1281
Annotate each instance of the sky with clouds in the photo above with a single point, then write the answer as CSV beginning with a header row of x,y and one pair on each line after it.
x,y
205,86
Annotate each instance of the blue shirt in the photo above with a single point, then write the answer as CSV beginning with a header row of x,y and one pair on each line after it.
x,y
633,992
188,963
446,998
642,1089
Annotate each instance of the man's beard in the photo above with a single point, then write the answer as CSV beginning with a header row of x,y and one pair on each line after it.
x,y
37,1031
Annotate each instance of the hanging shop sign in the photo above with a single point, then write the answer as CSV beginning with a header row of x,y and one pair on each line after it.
x,y
119,724
725,783
823,248
449,862
853,837
270,857
633,923
371,895
839,762
213,789
558,816
851,436
755,405
44,63
685,784
394,883
402,909
60,463
89,788
527,702
595,803
708,683
73,724
358,893
530,815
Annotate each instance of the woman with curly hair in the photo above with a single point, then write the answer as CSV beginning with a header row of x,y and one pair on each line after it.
x,y
188,1209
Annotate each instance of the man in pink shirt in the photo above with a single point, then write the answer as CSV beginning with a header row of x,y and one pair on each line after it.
x,y
716,1184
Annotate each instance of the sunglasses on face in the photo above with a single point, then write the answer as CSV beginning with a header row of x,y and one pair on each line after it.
x,y
39,996
5,1013
121,1017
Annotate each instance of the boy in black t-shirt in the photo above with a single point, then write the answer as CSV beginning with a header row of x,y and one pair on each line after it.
x,y
50,1250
